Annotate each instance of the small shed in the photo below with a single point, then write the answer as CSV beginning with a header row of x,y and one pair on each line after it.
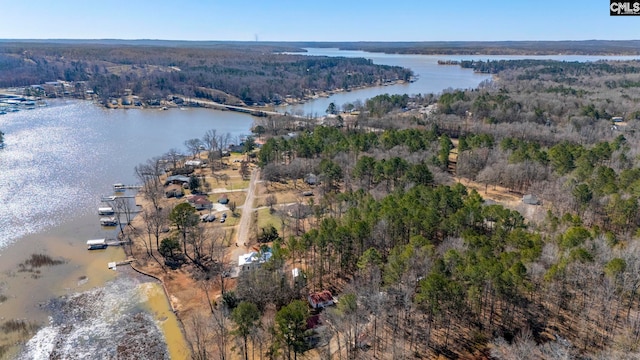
x,y
224,199
531,199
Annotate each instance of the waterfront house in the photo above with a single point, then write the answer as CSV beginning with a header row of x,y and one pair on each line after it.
x,y
177,179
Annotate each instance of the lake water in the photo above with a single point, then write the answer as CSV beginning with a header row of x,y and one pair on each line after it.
x,y
431,77
59,160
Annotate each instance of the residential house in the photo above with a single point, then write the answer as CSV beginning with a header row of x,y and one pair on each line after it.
x,y
254,259
177,179
200,202
321,299
173,191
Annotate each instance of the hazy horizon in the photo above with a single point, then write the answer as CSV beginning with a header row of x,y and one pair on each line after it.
x,y
331,21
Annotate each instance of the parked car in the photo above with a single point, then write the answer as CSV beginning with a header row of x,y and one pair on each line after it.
x,y
222,220
208,218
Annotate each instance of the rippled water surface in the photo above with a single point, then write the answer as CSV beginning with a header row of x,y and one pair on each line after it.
x,y
59,159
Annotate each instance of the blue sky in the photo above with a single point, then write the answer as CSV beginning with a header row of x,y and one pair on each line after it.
x,y
328,20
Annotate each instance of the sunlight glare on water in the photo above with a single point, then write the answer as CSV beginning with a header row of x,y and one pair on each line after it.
x,y
60,159
43,169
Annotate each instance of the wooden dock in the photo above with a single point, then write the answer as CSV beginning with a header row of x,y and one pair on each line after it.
x,y
114,264
112,242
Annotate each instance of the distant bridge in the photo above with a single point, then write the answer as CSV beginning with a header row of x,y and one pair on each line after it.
x,y
242,109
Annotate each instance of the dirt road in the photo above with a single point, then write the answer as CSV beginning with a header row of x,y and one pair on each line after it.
x,y
247,210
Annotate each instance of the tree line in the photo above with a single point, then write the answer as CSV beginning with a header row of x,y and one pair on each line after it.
x,y
436,270
432,267
423,266
233,74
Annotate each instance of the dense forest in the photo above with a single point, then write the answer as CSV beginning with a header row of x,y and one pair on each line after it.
x,y
420,264
227,73
428,267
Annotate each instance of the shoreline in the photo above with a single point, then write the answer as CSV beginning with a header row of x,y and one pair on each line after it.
x,y
194,102
187,297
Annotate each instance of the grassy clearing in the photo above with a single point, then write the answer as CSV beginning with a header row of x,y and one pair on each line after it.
x,y
265,219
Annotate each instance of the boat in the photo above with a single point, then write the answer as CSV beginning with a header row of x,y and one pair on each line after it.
x,y
108,221
108,198
97,244
119,187
107,210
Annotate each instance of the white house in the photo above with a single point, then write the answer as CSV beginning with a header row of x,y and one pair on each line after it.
x,y
254,259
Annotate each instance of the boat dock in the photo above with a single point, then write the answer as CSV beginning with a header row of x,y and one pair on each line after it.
x,y
98,244
113,265
114,197
122,187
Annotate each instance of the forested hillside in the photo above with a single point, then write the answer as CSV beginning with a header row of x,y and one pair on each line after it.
x,y
427,266
252,74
